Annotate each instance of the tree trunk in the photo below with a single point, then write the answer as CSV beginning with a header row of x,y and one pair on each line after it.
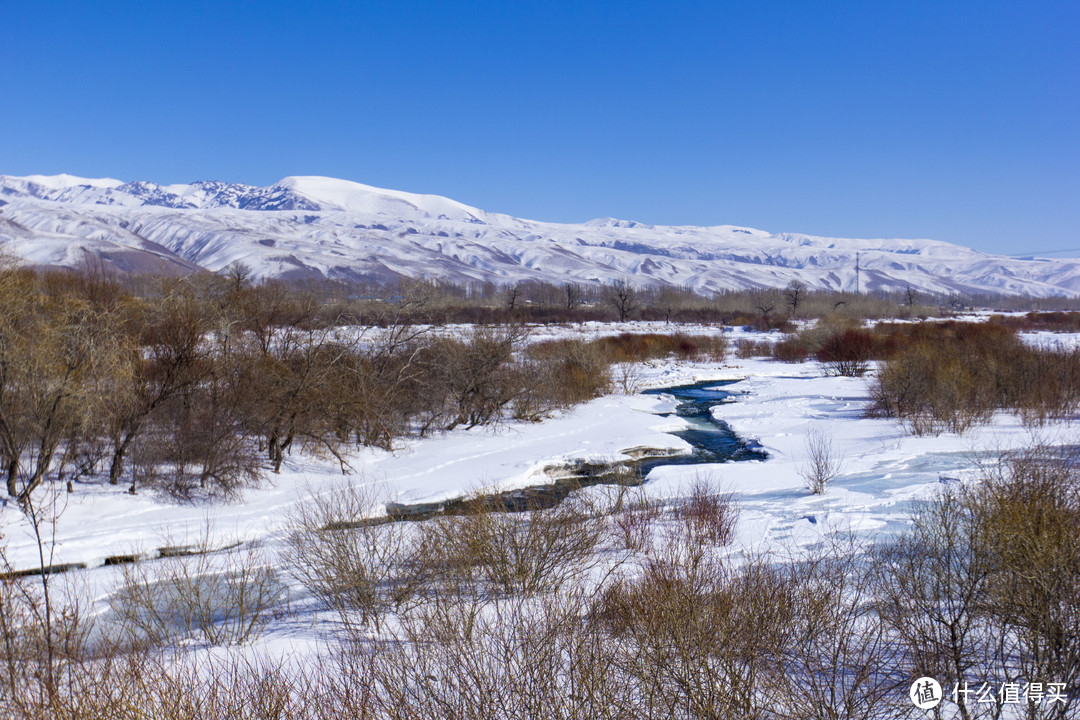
x,y
116,468
275,452
12,477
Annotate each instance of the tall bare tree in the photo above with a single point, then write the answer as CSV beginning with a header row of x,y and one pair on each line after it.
x,y
794,295
622,297
168,356
572,294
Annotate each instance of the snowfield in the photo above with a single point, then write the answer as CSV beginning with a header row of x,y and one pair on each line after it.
x,y
777,405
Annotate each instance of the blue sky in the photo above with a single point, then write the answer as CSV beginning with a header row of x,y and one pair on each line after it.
x,y
958,121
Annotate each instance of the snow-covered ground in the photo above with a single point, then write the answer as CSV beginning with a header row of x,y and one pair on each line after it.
x,y
777,405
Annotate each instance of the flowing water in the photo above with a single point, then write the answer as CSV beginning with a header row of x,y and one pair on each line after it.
x,y
712,441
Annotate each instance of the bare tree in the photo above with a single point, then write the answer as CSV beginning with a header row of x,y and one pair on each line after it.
x,y
794,294
169,357
238,275
764,301
622,297
667,301
287,393
572,295
71,354
477,374
512,294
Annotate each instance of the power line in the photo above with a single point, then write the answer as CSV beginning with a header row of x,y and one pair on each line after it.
x,y
1044,252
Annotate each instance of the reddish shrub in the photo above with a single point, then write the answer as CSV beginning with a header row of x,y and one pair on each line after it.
x,y
848,353
791,349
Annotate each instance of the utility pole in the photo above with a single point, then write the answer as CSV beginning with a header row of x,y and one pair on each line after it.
x,y
856,272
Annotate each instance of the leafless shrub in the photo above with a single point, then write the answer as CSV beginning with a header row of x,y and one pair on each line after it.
x,y
986,582
628,377
707,516
694,640
1026,512
345,553
634,524
932,586
822,462
532,552
139,686
220,596
835,658
40,643
517,657
746,349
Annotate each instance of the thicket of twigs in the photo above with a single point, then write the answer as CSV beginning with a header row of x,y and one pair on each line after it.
x,y
611,607
197,385
953,376
945,376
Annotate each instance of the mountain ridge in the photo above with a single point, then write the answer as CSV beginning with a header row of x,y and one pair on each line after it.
x,y
311,226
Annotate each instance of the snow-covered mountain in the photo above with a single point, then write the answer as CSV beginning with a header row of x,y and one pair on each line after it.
x,y
323,227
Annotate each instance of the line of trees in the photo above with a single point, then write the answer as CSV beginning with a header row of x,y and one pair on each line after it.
x,y
200,384
622,299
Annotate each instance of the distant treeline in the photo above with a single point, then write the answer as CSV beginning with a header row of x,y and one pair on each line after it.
x,y
543,302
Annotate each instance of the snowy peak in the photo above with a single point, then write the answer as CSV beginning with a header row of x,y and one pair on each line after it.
x,y
290,193
334,194
59,188
196,196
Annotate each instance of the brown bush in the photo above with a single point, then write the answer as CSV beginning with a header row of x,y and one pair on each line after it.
x,y
746,349
1048,321
790,349
639,347
531,552
953,375
848,353
562,373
